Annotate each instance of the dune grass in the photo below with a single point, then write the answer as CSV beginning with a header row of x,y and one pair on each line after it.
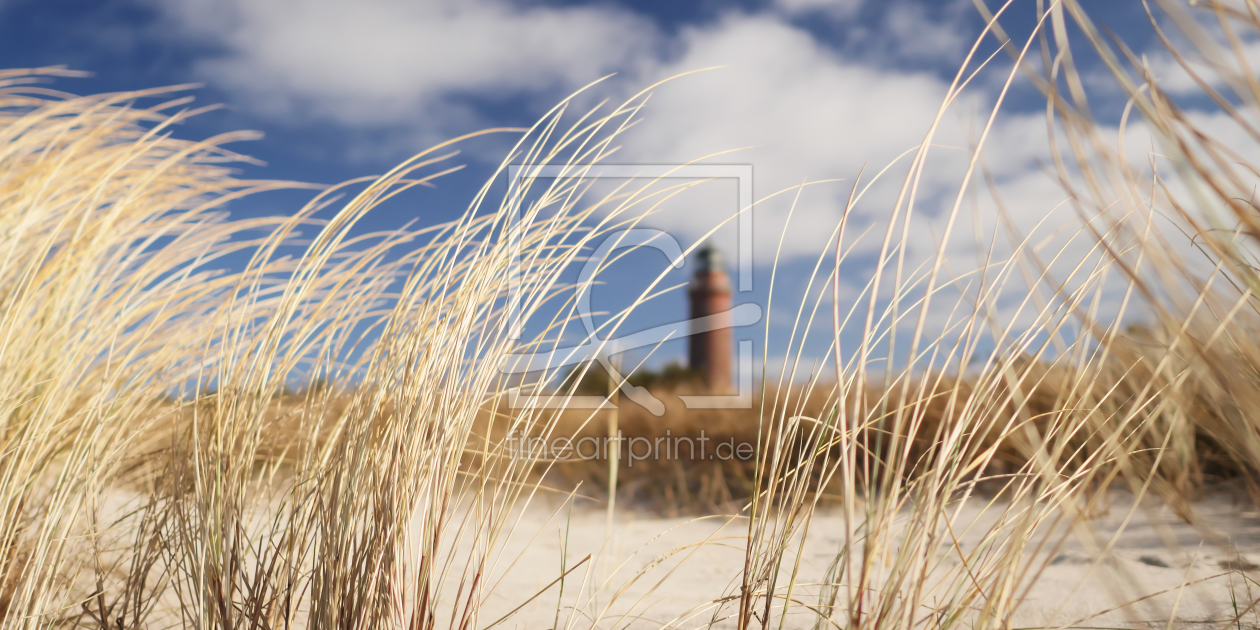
x,y
159,470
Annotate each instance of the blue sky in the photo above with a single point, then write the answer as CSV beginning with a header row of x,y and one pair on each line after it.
x,y
345,89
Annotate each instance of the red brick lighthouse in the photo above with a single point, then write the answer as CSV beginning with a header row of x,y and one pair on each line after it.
x,y
712,339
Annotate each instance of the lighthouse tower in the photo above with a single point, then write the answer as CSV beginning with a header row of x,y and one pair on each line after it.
x,y
709,354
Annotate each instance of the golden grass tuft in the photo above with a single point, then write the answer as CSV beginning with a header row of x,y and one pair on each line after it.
x,y
155,469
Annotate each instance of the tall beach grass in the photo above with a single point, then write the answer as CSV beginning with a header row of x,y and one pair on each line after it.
x,y
160,468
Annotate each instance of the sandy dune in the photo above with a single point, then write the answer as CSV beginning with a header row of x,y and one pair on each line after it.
x,y
1156,551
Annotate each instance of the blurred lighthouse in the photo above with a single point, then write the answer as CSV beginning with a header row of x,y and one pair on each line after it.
x,y
711,344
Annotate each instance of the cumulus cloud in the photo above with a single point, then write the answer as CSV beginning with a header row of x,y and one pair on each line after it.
x,y
1221,73
804,111
390,62
810,110
814,111
799,107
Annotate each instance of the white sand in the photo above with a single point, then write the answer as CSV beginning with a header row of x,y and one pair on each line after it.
x,y
1075,584
688,563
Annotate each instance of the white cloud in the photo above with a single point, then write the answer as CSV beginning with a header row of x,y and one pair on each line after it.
x,y
808,113
811,111
389,62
